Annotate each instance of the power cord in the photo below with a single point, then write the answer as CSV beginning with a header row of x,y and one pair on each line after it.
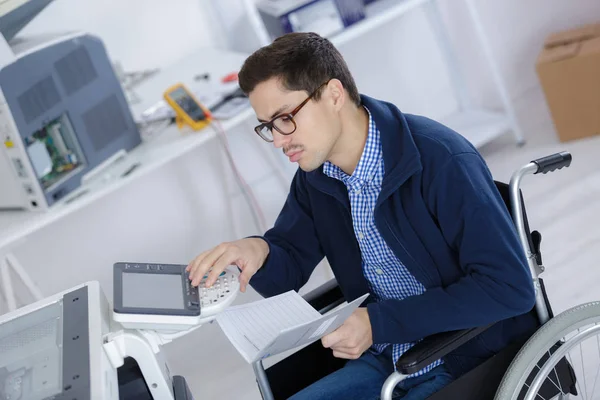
x,y
257,214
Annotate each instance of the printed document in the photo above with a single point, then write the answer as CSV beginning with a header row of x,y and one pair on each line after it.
x,y
270,326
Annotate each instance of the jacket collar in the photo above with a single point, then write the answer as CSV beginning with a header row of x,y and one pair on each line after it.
x,y
400,154
369,163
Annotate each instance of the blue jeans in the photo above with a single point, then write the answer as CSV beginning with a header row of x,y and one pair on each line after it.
x,y
363,378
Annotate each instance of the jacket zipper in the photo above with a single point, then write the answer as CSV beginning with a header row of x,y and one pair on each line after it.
x,y
425,272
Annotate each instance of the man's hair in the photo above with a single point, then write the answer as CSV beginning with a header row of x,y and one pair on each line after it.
x,y
303,61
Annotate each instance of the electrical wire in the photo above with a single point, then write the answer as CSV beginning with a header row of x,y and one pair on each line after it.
x,y
256,211
148,130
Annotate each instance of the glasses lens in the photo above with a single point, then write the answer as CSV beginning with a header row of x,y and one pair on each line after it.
x,y
285,124
265,133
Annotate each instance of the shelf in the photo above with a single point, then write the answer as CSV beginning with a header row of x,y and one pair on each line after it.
x,y
171,144
377,14
478,126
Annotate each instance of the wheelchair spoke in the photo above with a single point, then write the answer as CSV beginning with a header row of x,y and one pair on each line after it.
x,y
559,387
556,379
549,379
583,369
547,367
598,371
577,382
537,394
554,383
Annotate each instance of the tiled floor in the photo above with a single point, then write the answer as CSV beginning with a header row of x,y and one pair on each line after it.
x,y
564,206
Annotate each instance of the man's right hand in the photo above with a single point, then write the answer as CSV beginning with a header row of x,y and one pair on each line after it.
x,y
247,254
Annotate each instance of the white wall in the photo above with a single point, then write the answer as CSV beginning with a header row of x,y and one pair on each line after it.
x,y
516,31
151,33
138,33
235,24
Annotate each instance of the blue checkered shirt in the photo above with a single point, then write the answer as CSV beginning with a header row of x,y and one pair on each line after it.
x,y
387,277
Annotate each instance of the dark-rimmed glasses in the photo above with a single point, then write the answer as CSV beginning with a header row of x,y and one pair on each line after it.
x,y
283,123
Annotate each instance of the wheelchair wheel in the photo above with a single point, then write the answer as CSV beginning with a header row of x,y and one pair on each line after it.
x,y
560,361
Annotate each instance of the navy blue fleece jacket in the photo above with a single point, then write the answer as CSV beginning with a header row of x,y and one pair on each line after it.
x,y
441,214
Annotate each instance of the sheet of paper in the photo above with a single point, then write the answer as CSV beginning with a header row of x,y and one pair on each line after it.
x,y
273,325
251,327
307,333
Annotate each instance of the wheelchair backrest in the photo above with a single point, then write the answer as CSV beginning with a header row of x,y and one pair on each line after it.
x,y
504,190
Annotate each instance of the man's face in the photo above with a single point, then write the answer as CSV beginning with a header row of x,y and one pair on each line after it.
x,y
317,123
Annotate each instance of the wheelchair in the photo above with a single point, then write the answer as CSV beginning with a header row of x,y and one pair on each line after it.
x,y
538,366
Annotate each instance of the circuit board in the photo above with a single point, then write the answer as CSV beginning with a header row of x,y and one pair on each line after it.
x,y
60,155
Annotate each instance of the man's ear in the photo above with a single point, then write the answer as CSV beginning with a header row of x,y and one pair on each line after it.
x,y
337,93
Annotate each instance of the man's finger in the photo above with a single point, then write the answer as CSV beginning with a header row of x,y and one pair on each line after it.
x,y
196,261
329,341
201,267
219,266
198,258
247,272
348,356
244,280
344,349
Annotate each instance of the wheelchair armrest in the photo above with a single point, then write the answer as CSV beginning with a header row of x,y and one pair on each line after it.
x,y
427,351
434,347
325,297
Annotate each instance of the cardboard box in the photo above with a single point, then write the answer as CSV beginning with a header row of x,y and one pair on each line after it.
x,y
569,72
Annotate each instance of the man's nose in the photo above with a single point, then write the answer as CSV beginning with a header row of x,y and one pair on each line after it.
x,y
280,140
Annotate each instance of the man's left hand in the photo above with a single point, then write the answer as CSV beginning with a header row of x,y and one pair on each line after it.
x,y
353,338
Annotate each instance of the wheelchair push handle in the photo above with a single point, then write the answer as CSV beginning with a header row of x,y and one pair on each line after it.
x,y
553,162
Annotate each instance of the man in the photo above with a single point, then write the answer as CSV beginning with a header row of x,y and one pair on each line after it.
x,y
401,206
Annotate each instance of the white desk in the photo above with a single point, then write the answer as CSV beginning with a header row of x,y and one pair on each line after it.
x,y
168,145
215,63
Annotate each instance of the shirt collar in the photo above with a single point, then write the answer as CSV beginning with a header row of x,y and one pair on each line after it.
x,y
366,168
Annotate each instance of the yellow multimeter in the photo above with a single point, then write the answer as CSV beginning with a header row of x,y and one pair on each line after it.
x,y
188,110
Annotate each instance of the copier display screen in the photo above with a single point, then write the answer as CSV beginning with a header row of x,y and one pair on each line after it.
x,y
153,291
